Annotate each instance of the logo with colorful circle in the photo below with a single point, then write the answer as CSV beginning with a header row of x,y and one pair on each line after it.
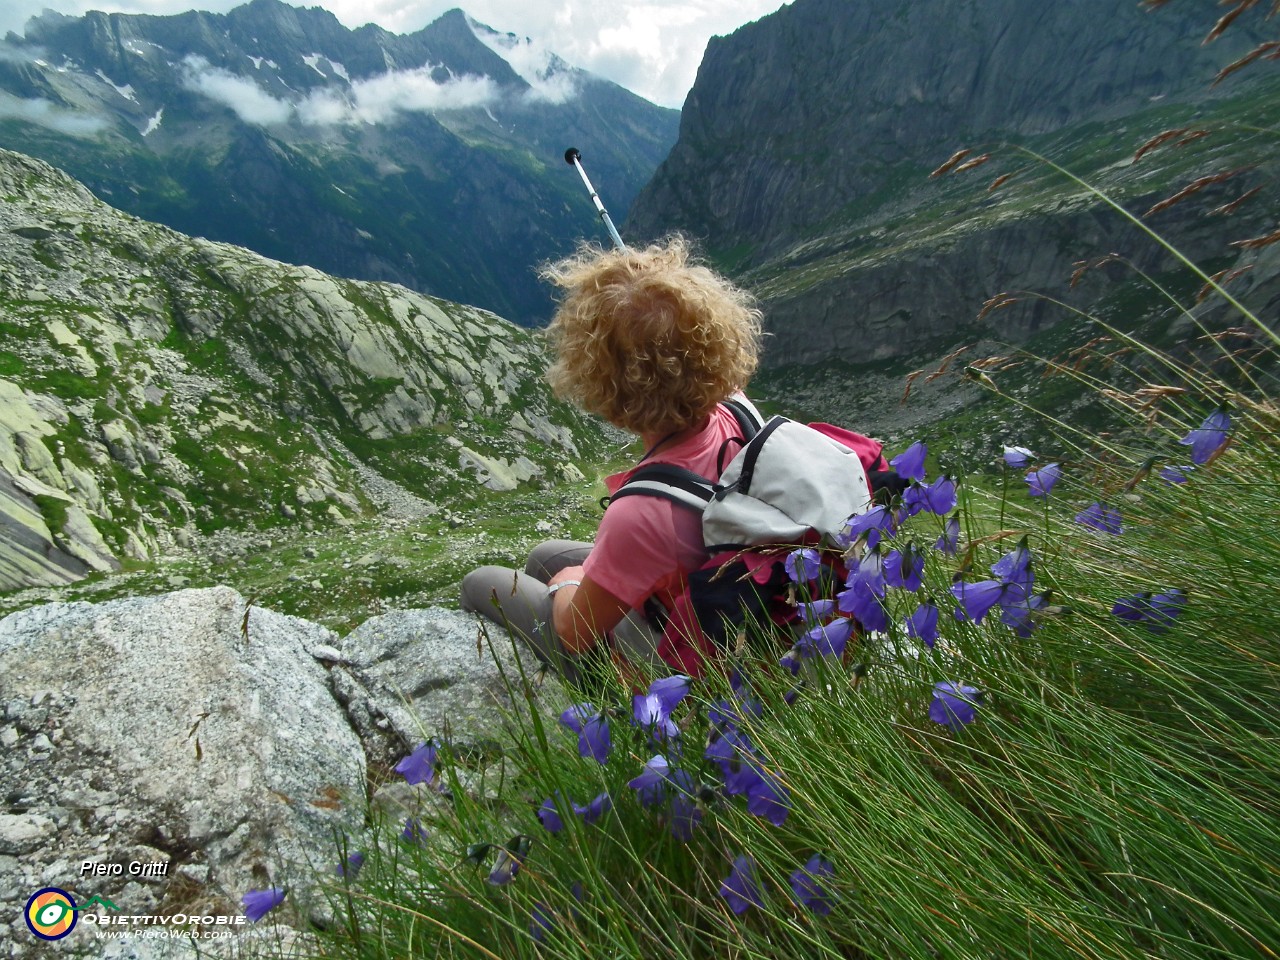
x,y
52,913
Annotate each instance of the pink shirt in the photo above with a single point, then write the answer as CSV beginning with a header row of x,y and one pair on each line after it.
x,y
647,545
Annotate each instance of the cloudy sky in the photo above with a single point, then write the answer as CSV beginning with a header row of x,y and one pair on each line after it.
x,y
652,47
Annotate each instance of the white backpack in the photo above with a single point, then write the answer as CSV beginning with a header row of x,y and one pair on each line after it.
x,y
787,481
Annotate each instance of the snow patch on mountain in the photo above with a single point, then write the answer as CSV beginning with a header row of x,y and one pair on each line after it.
x,y
126,91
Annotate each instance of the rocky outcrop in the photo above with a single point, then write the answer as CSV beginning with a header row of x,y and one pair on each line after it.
x,y
405,674
170,753
169,731
867,304
807,141
155,387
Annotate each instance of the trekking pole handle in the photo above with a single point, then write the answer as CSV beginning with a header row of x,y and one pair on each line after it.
x,y
574,159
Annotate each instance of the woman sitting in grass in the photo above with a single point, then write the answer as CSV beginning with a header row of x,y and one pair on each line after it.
x,y
652,342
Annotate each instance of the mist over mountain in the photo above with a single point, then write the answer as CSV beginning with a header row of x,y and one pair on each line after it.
x,y
807,142
434,160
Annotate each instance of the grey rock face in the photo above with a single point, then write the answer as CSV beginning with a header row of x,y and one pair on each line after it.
x,y
159,386
807,142
184,729
227,744
412,674
818,104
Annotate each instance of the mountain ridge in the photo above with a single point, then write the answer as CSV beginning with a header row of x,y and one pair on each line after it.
x,y
424,159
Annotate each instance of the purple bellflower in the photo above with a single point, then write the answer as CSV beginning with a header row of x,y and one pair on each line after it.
x,y
817,611
592,730
686,814
420,766
741,889
949,542
594,810
1018,607
976,599
746,775
651,784
923,624
1015,566
1041,482
510,858
658,781
803,565
1206,439
1018,457
904,568
1171,474
954,705
791,659
541,921
351,867
876,523
652,710
1157,611
768,798
414,831
865,588
549,815
1101,517
910,463
258,903
869,571
829,640
939,497
807,885
865,605
729,714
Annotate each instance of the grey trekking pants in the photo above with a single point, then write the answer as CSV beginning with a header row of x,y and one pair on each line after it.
x,y
520,601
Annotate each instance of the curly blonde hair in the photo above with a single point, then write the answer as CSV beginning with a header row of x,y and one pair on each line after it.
x,y
648,339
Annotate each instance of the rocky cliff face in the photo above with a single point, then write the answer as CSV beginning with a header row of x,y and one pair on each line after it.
x,y
807,140
432,160
154,386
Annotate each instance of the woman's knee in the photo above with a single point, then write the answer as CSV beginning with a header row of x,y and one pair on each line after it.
x,y
551,556
482,585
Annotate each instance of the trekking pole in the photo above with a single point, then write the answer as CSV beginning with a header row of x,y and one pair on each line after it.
x,y
574,159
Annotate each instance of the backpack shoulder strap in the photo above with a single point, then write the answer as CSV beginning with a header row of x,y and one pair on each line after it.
x,y
749,419
669,482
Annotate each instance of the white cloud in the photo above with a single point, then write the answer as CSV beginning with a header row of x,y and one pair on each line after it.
x,y
374,100
652,47
534,62
10,54
44,113
250,102
377,99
